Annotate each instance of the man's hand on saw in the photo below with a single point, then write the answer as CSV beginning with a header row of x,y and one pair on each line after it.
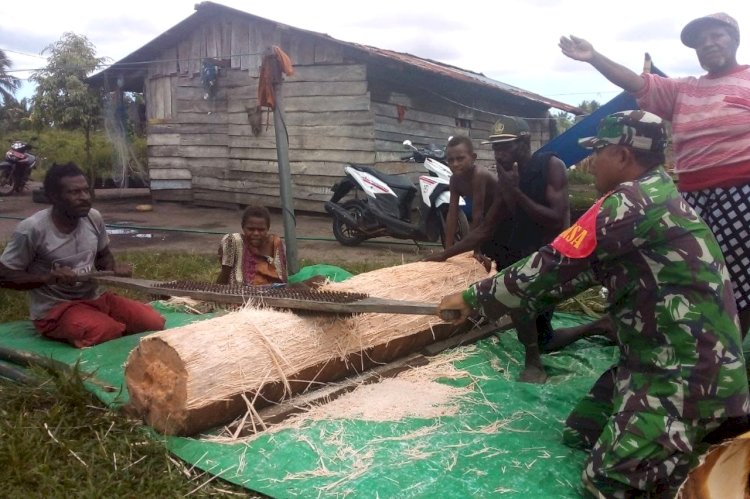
x,y
61,275
455,302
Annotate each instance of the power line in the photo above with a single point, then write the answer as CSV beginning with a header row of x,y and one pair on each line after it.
x,y
24,53
171,60
103,65
179,59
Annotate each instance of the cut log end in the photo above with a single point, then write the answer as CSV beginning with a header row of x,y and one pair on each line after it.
x,y
157,384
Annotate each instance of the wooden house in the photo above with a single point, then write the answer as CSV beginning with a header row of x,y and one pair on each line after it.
x,y
345,103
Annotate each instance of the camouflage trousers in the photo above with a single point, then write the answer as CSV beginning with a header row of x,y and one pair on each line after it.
x,y
645,453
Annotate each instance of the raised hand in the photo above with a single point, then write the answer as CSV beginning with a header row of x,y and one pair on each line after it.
x,y
507,184
577,48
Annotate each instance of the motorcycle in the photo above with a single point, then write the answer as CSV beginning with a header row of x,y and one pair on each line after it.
x,y
386,209
16,169
433,159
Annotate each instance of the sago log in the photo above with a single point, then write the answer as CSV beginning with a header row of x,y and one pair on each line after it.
x,y
188,379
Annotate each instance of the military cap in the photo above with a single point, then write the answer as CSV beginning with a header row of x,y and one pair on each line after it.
x,y
637,129
506,129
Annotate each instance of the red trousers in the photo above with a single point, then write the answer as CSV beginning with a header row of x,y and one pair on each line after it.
x,y
84,323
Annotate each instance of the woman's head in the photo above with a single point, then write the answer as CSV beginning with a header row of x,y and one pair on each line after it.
x,y
256,220
715,39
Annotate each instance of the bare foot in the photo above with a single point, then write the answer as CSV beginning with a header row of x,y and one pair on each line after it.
x,y
533,374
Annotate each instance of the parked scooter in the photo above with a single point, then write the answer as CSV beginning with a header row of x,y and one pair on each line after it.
x,y
432,158
386,209
16,169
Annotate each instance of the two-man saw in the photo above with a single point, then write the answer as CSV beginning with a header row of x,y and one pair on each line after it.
x,y
285,297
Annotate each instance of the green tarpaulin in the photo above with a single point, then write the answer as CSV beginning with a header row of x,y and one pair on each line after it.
x,y
505,439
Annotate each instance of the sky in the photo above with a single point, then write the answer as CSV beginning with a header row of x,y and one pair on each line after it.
x,y
512,41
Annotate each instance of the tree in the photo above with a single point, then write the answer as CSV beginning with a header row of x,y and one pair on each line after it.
x,y
15,114
589,106
63,98
8,83
566,120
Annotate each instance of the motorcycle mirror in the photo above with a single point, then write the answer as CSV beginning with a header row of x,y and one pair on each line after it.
x,y
407,143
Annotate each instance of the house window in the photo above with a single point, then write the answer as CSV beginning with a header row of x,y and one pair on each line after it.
x,y
463,123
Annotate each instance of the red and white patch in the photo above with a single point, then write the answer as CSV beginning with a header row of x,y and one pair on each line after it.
x,y
579,240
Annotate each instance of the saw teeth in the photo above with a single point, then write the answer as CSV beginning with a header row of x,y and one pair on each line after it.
x,y
265,291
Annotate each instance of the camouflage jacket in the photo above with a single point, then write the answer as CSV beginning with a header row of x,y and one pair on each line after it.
x,y
669,296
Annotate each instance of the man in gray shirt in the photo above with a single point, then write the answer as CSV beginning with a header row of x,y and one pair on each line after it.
x,y
51,248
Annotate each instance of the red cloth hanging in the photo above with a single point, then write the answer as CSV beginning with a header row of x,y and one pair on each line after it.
x,y
271,68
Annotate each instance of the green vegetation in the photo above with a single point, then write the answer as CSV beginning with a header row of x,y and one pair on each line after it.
x,y
59,441
580,177
581,198
566,120
63,97
8,83
61,146
57,438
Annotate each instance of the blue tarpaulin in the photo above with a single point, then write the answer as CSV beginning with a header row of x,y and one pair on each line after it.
x,y
565,145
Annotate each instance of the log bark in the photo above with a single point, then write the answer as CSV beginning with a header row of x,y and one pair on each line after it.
x,y
189,379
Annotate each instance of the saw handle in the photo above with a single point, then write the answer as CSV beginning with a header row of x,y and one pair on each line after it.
x,y
449,315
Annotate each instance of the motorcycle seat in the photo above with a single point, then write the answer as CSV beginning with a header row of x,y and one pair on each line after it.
x,y
394,181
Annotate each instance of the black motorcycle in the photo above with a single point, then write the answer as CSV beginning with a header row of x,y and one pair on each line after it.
x,y
16,169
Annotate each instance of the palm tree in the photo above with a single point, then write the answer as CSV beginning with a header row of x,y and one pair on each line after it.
x,y
8,83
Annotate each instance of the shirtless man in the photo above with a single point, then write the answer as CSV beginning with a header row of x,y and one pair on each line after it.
x,y
474,183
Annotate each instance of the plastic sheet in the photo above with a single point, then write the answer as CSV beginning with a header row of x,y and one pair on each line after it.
x,y
505,439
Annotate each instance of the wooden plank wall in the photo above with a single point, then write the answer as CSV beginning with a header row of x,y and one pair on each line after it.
x,y
204,150
339,109
431,117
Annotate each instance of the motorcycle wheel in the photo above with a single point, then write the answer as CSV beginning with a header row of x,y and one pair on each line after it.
x,y
462,228
343,234
7,182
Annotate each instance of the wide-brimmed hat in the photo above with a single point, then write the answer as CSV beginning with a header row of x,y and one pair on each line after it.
x,y
506,129
691,31
637,129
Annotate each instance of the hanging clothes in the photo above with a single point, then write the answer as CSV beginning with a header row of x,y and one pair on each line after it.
x,y
271,69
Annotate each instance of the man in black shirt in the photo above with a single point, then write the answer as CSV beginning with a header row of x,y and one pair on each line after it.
x,y
530,208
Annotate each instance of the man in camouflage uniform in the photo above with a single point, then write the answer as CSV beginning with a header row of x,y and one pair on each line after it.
x,y
681,370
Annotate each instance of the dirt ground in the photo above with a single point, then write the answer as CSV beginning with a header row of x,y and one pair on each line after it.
x,y
118,206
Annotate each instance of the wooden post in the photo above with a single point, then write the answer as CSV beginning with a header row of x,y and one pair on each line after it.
x,y
285,183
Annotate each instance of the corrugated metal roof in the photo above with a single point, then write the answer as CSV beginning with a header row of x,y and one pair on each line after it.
x,y
463,75
136,62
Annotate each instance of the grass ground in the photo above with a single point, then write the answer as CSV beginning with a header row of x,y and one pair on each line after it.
x,y
58,440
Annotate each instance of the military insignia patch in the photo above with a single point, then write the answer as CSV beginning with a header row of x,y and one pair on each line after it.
x,y
579,240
